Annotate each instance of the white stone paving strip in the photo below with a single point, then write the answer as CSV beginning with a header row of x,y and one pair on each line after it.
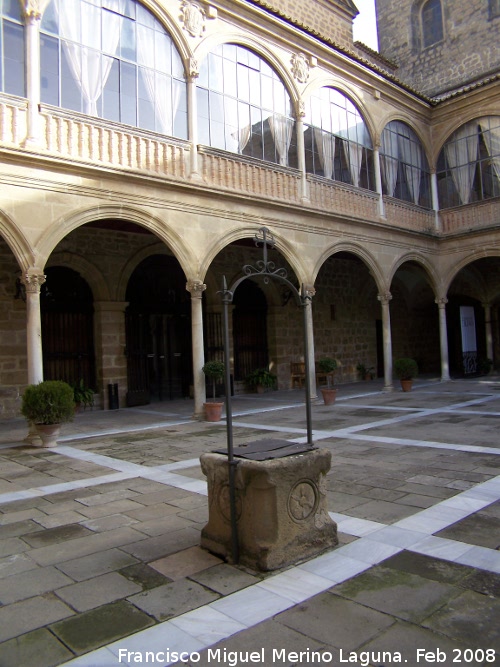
x,y
212,623
219,620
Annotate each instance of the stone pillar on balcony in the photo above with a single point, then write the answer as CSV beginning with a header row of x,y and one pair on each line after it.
x,y
32,15
443,339
387,339
435,197
110,342
301,153
193,119
488,330
378,180
196,289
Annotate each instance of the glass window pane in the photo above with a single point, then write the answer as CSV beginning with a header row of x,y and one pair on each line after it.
x,y
49,62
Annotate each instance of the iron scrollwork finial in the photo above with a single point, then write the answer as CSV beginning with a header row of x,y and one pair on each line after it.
x,y
264,267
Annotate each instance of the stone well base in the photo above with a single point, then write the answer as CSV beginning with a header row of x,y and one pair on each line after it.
x,y
281,508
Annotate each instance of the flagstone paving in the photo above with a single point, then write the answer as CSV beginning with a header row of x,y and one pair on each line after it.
x,y
99,537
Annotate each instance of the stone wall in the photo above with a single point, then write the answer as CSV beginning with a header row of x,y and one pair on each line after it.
x,y
322,16
469,50
13,363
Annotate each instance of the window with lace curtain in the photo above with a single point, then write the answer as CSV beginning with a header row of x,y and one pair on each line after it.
x,y
244,107
404,166
12,78
112,59
432,22
468,168
337,142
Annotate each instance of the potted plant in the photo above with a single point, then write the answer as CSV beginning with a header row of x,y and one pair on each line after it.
x,y
261,379
47,405
365,372
214,370
328,365
83,395
406,369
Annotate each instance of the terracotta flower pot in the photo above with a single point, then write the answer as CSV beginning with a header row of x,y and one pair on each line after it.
x,y
406,385
213,411
329,395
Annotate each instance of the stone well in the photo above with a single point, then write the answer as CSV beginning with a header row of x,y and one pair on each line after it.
x,y
281,508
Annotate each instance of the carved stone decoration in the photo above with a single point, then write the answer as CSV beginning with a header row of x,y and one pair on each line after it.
x,y
300,67
281,508
195,287
193,18
32,9
32,280
302,500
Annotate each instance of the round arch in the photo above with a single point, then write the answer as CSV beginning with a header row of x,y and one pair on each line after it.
x,y
361,253
260,49
428,269
282,246
91,274
64,226
457,267
424,141
24,254
441,137
133,263
326,81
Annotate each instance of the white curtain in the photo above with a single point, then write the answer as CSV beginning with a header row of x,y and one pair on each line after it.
x,y
461,155
80,29
164,92
281,129
325,143
492,140
353,154
389,160
411,155
243,136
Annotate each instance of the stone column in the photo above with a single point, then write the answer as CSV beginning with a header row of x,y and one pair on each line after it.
x,y
310,291
387,339
435,197
378,180
32,17
33,279
488,330
443,339
300,112
110,343
196,289
193,118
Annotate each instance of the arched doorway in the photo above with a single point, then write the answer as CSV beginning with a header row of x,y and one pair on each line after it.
x,y
67,311
158,332
249,329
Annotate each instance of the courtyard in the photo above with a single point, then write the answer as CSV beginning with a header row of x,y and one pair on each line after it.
x,y
100,563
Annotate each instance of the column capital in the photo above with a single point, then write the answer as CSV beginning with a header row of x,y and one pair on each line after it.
x,y
308,291
31,10
33,279
196,288
384,298
194,69
441,301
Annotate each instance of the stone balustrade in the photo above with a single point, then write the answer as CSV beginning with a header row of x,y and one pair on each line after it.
x,y
78,138
472,216
409,216
13,115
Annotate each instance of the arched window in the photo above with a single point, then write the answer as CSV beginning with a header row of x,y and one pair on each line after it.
x,y
405,171
468,167
11,49
112,59
432,22
244,107
337,141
